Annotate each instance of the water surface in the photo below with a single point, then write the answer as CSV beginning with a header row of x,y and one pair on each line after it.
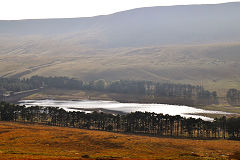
x,y
183,111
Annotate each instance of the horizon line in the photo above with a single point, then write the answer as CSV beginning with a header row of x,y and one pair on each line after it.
x,y
177,5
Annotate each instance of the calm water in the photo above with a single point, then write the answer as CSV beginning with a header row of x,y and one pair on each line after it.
x,y
184,111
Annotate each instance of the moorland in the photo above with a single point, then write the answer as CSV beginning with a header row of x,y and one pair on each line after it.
x,y
46,142
193,44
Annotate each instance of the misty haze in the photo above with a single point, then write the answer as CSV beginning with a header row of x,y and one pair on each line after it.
x,y
157,82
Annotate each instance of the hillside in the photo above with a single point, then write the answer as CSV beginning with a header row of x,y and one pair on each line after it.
x,y
192,24
196,44
66,143
216,66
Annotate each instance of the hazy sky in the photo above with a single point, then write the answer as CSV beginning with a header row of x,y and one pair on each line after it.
x,y
32,9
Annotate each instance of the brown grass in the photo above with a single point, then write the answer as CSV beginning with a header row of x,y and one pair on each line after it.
x,y
19,141
216,66
65,94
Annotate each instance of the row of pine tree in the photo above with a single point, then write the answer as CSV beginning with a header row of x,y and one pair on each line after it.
x,y
138,122
186,93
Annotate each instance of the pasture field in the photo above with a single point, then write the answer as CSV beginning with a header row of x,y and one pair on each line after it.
x,y
32,141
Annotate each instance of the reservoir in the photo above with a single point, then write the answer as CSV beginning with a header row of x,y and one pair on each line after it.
x,y
90,105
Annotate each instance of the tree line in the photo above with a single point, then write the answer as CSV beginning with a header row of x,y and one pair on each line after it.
x,y
137,123
233,97
13,84
145,88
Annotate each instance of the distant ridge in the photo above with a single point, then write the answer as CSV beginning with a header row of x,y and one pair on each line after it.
x,y
168,25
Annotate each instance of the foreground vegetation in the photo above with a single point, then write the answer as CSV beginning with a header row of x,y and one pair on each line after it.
x,y
28,141
138,122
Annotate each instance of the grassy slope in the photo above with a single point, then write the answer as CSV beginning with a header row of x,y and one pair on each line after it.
x,y
216,66
34,141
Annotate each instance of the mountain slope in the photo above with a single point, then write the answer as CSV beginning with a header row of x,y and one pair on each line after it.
x,y
139,27
216,66
196,44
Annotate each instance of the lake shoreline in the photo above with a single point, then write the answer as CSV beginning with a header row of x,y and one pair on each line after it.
x,y
114,107
75,95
